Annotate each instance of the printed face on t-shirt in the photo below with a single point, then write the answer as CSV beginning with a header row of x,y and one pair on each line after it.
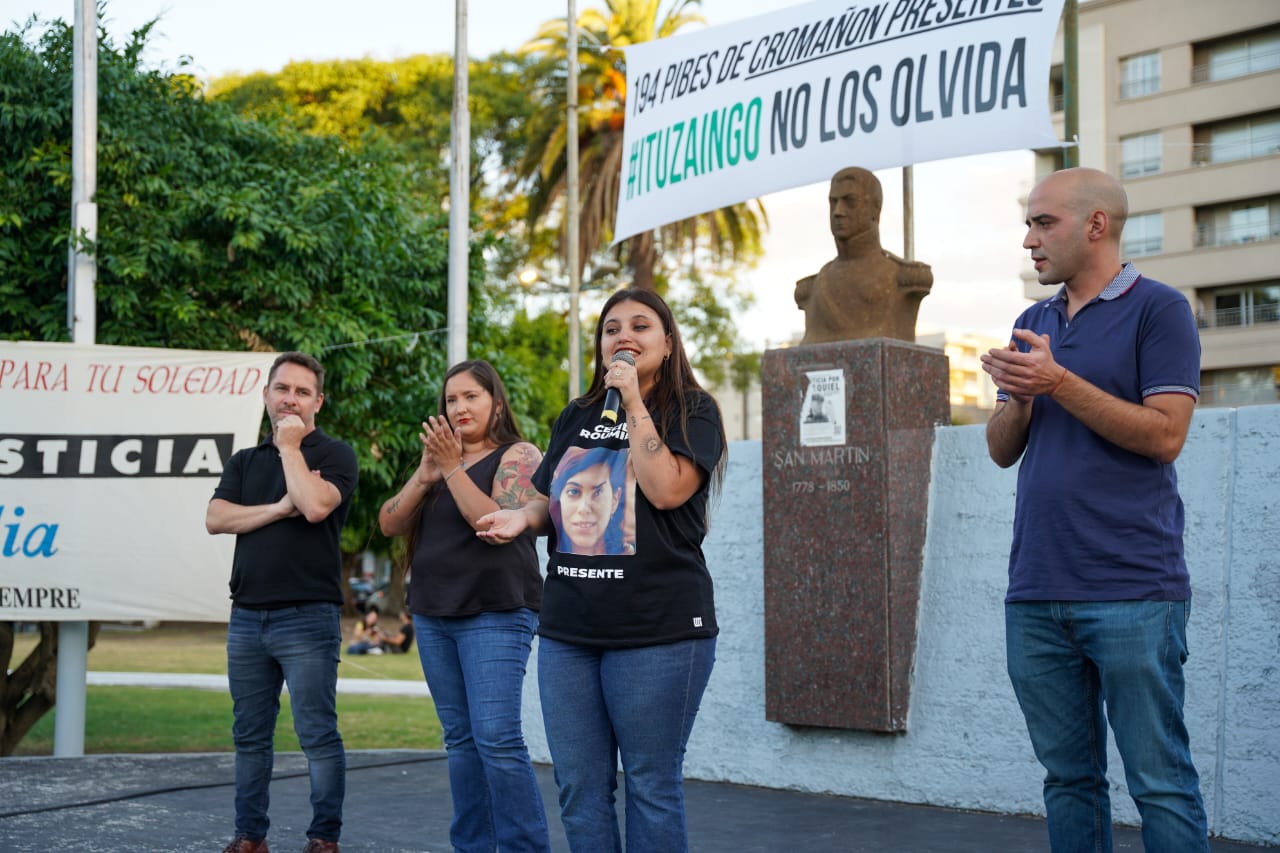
x,y
587,502
593,502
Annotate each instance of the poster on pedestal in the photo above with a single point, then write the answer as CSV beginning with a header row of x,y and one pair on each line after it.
x,y
822,422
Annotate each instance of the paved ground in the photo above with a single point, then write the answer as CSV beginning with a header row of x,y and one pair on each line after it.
x,y
399,801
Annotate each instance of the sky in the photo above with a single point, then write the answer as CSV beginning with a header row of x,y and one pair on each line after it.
x,y
968,211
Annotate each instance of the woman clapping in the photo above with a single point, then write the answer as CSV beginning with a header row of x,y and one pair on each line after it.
x,y
475,605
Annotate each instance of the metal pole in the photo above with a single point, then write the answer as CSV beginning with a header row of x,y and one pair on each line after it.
x,y
574,236
908,214
459,193
1071,83
82,318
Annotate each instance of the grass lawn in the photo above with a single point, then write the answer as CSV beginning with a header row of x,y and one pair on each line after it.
x,y
201,647
147,719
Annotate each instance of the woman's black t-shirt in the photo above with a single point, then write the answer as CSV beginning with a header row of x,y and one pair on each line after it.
x,y
455,573
651,585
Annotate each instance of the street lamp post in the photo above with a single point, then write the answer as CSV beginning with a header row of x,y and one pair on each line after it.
x,y
459,192
574,236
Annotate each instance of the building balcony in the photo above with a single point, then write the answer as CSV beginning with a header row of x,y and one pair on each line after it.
x,y
1212,266
1217,101
1208,234
1255,62
1237,394
1233,152
1227,317
1228,347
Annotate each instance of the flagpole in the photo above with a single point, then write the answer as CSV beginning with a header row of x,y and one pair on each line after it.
x,y
573,237
459,193
908,213
82,320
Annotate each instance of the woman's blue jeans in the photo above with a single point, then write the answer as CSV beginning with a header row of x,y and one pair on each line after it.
x,y
297,646
1069,659
639,703
475,668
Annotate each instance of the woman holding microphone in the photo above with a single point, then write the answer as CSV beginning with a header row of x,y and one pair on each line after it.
x,y
627,638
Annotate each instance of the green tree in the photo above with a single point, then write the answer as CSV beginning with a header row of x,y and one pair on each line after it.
x,y
220,232
28,691
705,312
407,103
732,234
223,232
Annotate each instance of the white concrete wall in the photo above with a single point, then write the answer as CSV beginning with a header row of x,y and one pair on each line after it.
x,y
966,745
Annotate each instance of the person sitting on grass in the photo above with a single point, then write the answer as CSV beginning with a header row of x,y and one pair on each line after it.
x,y
401,641
367,637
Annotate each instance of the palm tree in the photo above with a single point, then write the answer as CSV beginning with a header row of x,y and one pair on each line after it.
x,y
730,233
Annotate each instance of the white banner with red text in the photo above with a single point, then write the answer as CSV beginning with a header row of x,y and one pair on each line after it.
x,y
108,459
787,99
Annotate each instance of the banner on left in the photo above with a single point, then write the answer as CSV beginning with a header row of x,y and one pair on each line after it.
x,y
108,458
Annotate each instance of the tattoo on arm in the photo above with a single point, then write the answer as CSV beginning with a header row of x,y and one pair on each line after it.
x,y
653,445
513,485
395,505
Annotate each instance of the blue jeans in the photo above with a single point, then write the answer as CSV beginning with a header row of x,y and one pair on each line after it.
x,y
640,703
297,646
1067,659
475,668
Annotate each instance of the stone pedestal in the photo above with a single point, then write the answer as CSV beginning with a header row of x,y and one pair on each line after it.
x,y
848,438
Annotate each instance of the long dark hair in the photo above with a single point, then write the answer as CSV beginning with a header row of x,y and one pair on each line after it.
x,y
675,381
502,427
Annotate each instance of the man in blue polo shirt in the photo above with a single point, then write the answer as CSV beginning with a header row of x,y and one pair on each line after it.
x,y
1096,392
286,500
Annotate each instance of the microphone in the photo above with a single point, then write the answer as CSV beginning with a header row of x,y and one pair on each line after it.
x,y
612,399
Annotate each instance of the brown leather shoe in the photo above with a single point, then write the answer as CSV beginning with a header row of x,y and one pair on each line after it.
x,y
316,845
242,844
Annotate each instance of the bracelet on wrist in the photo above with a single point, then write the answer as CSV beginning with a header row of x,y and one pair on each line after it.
x,y
1061,379
461,466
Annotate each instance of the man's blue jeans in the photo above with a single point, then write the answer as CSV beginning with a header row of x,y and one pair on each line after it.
x,y
297,646
475,668
640,703
1067,659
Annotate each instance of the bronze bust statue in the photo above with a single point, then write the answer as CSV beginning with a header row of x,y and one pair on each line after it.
x,y
865,291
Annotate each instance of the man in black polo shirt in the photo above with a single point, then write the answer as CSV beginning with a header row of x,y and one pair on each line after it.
x,y
286,501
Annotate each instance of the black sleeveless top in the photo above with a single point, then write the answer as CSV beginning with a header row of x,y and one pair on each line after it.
x,y
455,573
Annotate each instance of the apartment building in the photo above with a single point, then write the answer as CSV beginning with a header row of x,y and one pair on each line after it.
x,y
973,394
1181,101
